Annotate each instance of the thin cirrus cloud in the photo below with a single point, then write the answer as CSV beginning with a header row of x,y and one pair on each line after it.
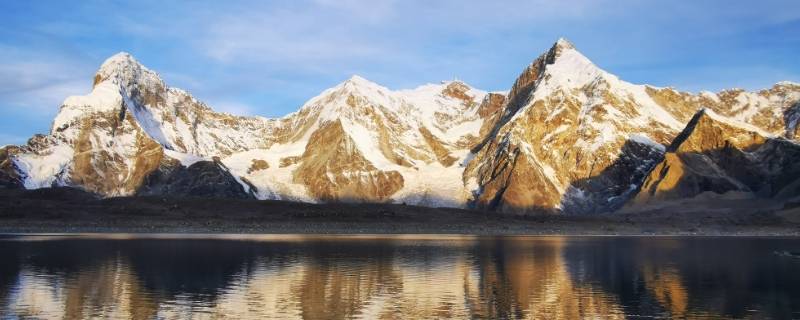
x,y
333,37
235,108
268,57
32,86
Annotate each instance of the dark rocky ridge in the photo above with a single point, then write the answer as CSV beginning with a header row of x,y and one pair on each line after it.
x,y
9,178
201,179
62,210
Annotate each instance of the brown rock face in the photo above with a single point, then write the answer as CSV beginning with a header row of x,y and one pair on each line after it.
x,y
257,164
685,176
506,186
715,155
527,80
517,97
9,177
491,109
681,104
288,161
333,169
100,167
442,154
773,110
459,91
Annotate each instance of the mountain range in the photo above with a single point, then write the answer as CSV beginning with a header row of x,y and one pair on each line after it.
x,y
568,137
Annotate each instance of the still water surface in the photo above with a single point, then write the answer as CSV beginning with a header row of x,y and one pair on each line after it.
x,y
397,277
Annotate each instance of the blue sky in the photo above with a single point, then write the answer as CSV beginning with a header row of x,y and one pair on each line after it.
x,y
268,57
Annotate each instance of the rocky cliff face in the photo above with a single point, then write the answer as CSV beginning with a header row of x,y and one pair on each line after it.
x,y
333,168
573,137
9,177
774,110
567,137
718,154
95,143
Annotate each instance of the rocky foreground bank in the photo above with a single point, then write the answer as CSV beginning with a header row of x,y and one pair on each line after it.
x,y
66,210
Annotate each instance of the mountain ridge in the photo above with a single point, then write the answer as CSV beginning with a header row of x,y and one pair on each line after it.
x,y
567,137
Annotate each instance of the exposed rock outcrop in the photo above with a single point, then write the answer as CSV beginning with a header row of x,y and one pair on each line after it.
x,y
115,166
717,154
491,109
9,176
774,110
258,164
390,144
335,170
201,179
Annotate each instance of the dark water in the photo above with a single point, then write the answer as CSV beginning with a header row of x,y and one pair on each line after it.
x,y
413,277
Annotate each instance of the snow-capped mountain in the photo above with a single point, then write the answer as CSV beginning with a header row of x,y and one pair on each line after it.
x,y
568,136
573,136
577,138
356,141
361,141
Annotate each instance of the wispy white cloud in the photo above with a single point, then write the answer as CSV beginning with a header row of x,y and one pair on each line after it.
x,y
38,83
286,37
267,57
325,34
44,101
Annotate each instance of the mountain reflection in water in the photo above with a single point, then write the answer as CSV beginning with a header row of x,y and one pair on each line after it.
x,y
411,277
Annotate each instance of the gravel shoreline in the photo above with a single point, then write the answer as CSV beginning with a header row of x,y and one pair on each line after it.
x,y
34,229
64,210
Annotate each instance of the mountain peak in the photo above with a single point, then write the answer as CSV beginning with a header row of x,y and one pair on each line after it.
x,y
122,55
559,47
563,66
359,80
563,43
358,83
355,86
563,57
126,70
117,61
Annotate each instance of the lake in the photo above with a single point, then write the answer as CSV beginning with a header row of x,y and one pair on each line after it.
x,y
397,277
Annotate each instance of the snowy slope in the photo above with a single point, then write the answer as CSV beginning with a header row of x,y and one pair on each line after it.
x,y
387,129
